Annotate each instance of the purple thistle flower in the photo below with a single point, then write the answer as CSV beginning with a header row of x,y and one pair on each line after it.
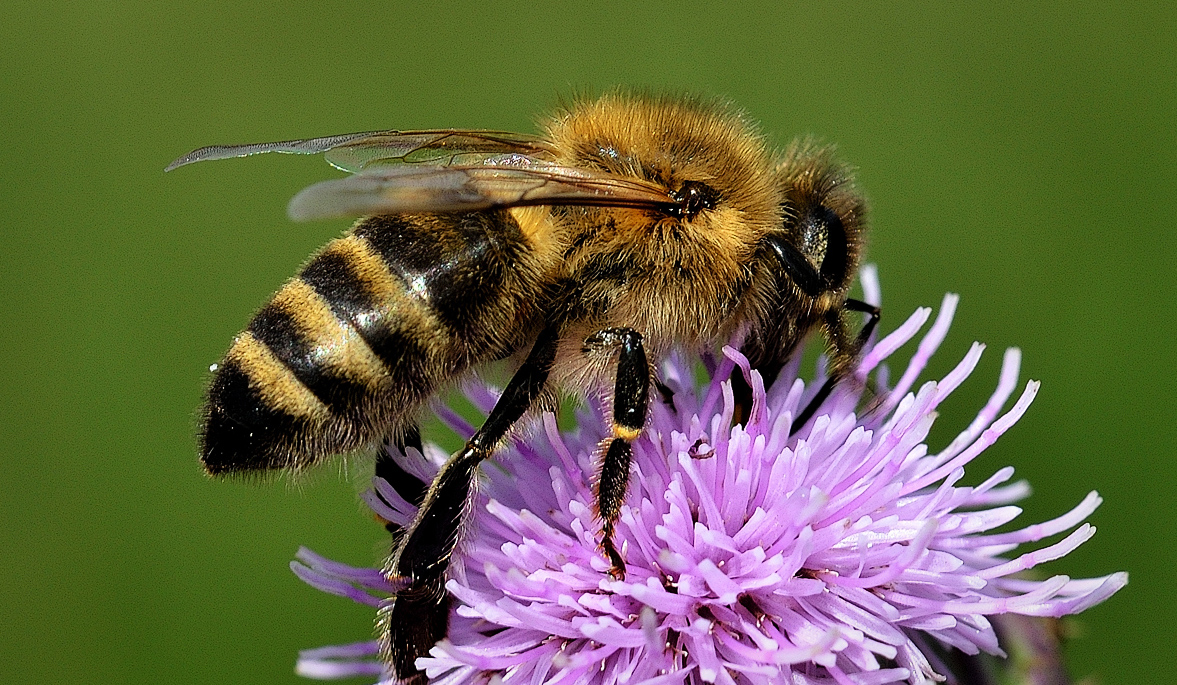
x,y
842,554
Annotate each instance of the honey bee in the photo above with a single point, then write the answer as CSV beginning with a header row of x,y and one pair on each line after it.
x,y
632,226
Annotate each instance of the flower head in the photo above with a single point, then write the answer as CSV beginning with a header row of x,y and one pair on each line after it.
x,y
840,554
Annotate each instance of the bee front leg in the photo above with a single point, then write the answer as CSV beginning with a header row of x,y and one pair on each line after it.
x,y
630,399
873,314
850,352
418,618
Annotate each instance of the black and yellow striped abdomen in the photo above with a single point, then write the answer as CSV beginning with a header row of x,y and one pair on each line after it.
x,y
373,324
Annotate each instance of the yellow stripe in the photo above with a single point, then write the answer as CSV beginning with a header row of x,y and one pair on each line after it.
x,y
399,308
626,434
545,237
368,266
337,345
278,387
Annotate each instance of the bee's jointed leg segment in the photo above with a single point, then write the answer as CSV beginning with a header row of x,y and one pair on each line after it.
x,y
418,617
630,399
610,494
873,313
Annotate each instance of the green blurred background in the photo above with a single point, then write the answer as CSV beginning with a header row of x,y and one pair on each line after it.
x,y
1023,157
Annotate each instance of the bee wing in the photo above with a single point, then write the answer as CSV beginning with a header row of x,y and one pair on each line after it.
x,y
505,181
441,170
358,152
443,147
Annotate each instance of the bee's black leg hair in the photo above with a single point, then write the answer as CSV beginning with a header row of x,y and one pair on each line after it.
x,y
873,313
630,398
418,618
407,485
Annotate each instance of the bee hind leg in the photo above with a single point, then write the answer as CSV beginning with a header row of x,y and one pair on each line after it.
x,y
630,399
418,618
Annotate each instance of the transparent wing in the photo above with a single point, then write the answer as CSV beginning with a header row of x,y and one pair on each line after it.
x,y
357,152
442,170
441,147
508,181
310,146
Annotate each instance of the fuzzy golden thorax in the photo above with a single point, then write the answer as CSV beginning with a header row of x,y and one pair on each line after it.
x,y
677,279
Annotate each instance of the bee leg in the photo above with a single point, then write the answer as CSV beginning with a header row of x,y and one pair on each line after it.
x,y
409,436
873,314
418,617
742,396
837,338
630,399
407,485
794,271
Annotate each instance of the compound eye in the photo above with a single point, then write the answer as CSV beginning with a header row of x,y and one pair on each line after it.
x,y
821,237
692,198
833,264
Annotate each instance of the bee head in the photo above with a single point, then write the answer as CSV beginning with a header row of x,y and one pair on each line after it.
x,y
822,214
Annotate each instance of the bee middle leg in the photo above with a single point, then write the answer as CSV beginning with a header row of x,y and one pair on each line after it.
x,y
630,399
418,617
406,484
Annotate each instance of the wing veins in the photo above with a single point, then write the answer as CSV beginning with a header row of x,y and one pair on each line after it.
x,y
480,142
409,190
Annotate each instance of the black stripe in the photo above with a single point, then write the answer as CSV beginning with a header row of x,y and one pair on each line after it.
x,y
472,282
333,278
351,300
277,329
459,261
405,357
405,246
242,433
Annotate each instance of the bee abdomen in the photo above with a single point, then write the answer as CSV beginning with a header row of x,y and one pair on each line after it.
x,y
370,327
299,384
362,295
249,425
324,355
